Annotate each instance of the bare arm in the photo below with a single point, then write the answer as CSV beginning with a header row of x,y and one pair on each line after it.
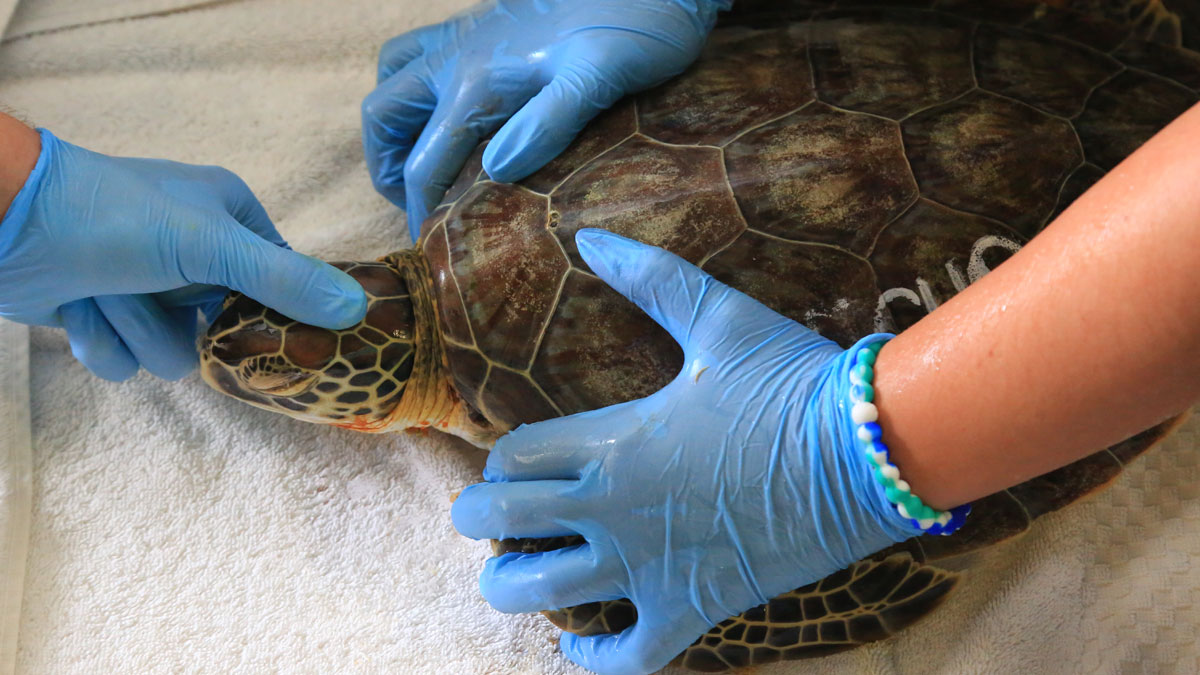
x,y
19,147
1088,335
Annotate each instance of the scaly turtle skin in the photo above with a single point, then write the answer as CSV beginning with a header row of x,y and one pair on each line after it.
x,y
851,168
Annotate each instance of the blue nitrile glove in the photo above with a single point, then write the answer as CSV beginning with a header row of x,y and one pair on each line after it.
x,y
550,65
91,241
738,481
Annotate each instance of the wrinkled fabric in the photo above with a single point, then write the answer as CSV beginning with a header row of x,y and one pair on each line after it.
x,y
549,65
738,481
122,252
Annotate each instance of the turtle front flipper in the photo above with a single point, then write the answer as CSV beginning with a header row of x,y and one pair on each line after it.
x,y
868,601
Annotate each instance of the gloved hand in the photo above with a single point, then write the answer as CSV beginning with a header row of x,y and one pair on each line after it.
x,y
91,241
738,481
550,65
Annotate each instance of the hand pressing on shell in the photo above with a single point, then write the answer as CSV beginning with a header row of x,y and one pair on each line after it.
x,y
738,481
549,65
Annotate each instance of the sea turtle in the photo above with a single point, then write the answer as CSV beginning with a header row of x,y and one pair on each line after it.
x,y
850,166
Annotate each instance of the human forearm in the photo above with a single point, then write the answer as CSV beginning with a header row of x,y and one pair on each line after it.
x,y
19,148
1088,335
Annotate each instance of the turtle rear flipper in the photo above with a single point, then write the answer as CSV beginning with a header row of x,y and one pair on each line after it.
x,y
869,601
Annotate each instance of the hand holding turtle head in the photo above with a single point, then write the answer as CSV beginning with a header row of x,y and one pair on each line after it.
x,y
740,480
122,253
549,65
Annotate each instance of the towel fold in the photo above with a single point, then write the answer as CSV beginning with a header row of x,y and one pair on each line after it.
x,y
176,529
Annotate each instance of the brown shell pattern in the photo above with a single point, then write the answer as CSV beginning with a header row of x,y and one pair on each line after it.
x,y
850,167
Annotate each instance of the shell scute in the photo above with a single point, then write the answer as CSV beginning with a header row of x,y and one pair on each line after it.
x,y
1054,490
734,85
930,254
469,371
824,288
889,63
452,314
1181,65
608,129
965,155
822,175
507,266
1111,128
512,396
600,349
1055,76
683,202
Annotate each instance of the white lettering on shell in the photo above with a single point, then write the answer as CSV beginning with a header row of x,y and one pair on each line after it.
x,y
923,296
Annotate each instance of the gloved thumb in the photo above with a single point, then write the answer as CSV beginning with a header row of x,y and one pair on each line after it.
x,y
679,296
298,286
696,309
638,649
547,124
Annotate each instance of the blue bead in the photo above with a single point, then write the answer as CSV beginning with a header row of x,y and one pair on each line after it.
x,y
876,446
873,429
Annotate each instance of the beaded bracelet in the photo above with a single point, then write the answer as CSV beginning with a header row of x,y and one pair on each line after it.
x,y
865,415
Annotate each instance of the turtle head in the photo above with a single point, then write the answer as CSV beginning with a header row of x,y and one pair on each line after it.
x,y
352,378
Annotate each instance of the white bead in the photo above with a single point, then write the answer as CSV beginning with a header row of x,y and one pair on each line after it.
x,y
864,435
944,518
903,486
864,412
890,471
925,523
903,511
854,379
880,458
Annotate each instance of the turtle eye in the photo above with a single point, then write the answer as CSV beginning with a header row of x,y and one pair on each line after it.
x,y
287,383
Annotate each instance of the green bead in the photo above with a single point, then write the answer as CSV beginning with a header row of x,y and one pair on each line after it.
x,y
876,346
868,392
864,372
894,495
866,356
879,477
913,504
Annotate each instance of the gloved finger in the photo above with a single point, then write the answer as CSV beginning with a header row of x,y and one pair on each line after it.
x,y
548,123
244,206
560,448
183,302
160,344
402,49
665,286
457,126
188,321
638,649
696,309
514,583
393,116
304,288
94,343
516,510
192,295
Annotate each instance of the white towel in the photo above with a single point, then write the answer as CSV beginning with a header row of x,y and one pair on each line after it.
x,y
176,530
